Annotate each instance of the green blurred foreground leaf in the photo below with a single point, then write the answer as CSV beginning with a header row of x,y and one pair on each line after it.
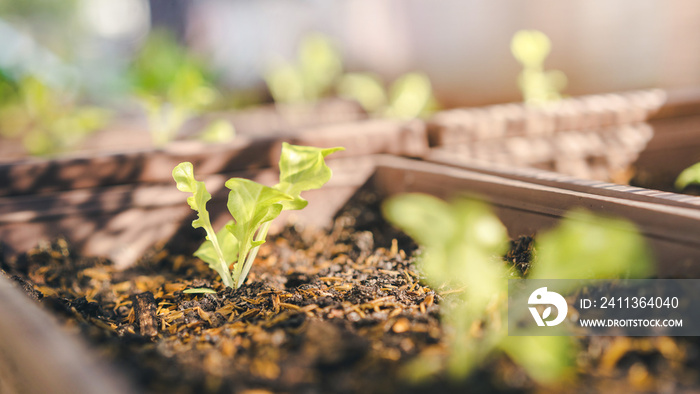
x,y
463,243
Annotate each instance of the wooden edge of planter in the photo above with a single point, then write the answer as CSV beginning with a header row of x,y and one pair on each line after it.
x,y
554,179
526,208
122,222
37,356
679,102
597,111
271,119
244,153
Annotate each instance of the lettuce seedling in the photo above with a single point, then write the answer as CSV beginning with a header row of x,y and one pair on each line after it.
x,y
253,207
410,96
310,77
530,48
463,242
48,120
174,86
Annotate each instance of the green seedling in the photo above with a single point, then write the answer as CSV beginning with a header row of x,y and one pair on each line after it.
x,y
462,243
47,121
530,48
410,96
687,177
318,72
232,250
173,86
311,77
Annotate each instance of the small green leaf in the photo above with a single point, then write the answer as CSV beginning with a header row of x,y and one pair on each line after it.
x,y
183,174
184,177
409,96
588,246
690,175
199,290
424,218
251,204
302,168
320,65
548,359
530,47
366,88
218,131
229,248
460,239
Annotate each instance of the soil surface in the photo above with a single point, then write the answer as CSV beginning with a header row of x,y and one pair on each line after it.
x,y
342,310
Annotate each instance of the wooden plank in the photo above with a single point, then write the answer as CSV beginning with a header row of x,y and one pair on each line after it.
x,y
554,179
602,111
122,222
38,357
362,138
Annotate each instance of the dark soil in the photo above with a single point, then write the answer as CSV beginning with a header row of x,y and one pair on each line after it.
x,y
337,311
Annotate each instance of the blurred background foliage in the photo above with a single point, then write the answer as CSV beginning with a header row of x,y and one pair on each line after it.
x,y
397,58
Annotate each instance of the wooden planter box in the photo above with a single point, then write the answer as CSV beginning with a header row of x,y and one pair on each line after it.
x,y
675,144
526,202
646,137
130,132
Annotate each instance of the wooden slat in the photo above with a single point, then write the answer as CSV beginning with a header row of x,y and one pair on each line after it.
x,y
527,208
362,138
553,179
38,357
122,222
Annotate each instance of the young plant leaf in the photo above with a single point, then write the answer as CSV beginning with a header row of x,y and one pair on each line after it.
x,y
251,205
690,175
199,290
302,168
588,246
183,174
184,177
229,248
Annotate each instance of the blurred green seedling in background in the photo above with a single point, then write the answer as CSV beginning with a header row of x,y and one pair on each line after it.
x,y
310,77
318,72
173,86
530,48
410,96
48,121
687,177
462,243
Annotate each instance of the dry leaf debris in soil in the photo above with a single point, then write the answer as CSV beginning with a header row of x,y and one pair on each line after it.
x,y
321,312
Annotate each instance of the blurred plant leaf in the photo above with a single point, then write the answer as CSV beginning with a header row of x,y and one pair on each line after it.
x,y
530,48
690,175
365,88
218,132
588,246
310,77
172,84
320,65
47,121
462,242
548,359
410,96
